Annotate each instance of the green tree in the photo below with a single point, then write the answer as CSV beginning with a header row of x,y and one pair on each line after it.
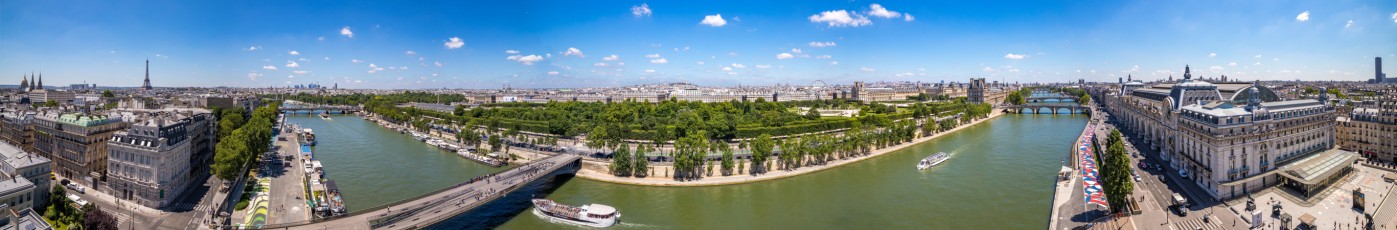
x,y
641,168
107,94
621,161
812,114
1115,170
762,147
228,123
1084,99
727,161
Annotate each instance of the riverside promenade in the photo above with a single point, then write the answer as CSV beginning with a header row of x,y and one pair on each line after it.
x,y
423,211
597,172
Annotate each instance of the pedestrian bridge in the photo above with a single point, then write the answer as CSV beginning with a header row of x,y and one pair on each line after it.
x,y
1042,108
431,208
311,108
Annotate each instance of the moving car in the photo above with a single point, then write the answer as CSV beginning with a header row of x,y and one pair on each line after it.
x,y
78,188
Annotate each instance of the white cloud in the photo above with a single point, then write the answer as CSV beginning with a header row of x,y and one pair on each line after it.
x,y
784,56
904,74
725,68
293,53
301,72
253,76
1258,56
795,50
327,58
1215,69
161,56
840,18
613,57
345,31
821,44
1015,56
715,20
739,66
356,61
649,71
1350,24
511,51
1231,64
834,62
988,69
908,17
699,62
410,53
641,10
601,64
878,10
290,76
866,69
652,56
573,52
374,68
1212,54
526,60
1304,16
826,56
292,64
437,63
552,72
1394,17
762,66
321,38
250,48
659,61
453,43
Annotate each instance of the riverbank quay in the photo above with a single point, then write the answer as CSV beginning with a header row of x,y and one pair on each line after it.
x,y
598,171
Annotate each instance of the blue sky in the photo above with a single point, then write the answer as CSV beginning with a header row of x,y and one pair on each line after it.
x,y
395,44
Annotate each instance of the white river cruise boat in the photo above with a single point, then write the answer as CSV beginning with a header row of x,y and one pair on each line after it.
x,y
932,160
592,215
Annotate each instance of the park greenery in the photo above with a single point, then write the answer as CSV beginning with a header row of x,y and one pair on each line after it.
x,y
64,214
1116,173
246,140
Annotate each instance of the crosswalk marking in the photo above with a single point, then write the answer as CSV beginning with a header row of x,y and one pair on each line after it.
x,y
192,206
1197,224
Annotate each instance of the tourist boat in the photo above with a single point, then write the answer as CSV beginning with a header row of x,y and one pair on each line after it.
x,y
308,137
592,215
932,160
325,115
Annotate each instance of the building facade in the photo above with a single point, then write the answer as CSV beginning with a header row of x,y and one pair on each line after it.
x,y
17,128
1232,139
1371,131
76,142
976,94
22,165
159,155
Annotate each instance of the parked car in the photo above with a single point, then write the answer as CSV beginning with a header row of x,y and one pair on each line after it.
x,y
77,188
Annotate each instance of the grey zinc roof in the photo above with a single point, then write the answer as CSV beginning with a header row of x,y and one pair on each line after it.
x,y
1291,104
19,158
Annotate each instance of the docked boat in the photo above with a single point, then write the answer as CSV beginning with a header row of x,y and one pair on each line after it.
x,y
308,137
592,215
932,160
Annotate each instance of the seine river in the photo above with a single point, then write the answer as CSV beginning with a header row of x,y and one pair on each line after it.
x,y
999,176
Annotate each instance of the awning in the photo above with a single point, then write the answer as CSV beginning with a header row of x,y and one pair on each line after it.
x,y
1307,219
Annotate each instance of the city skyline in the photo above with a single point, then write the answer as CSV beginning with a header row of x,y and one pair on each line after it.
x,y
556,44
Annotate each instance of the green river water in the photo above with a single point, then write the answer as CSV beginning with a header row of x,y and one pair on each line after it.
x,y
999,176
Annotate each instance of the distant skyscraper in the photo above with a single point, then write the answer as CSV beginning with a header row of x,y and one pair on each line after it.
x,y
146,85
1377,70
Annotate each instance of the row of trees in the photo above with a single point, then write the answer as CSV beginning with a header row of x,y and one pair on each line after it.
x,y
244,143
1115,172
